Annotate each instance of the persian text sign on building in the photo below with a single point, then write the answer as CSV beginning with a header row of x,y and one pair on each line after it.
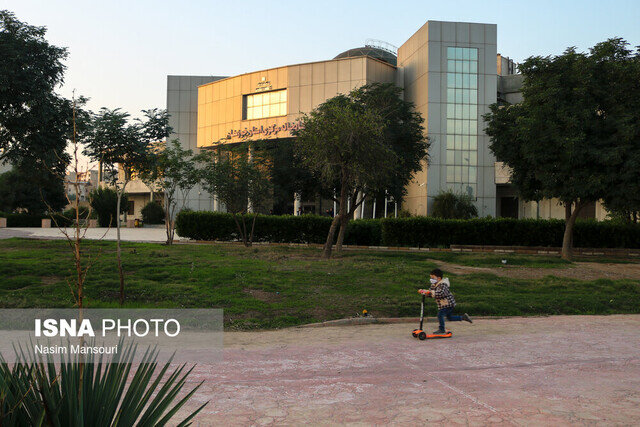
x,y
266,131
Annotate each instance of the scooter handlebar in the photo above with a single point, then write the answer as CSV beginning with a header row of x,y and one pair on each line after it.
x,y
424,292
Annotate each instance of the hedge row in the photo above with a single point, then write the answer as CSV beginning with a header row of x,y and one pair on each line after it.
x,y
31,220
415,231
271,228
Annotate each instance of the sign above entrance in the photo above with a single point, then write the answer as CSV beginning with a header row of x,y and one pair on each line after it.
x,y
263,85
266,131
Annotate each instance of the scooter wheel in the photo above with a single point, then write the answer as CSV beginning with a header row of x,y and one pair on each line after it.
x,y
422,336
414,333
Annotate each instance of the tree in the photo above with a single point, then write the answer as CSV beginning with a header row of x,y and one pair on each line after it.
x,y
104,202
449,205
369,142
35,123
240,182
32,190
124,150
342,144
174,172
575,129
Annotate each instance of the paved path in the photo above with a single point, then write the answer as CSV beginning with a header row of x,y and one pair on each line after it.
x,y
127,234
519,371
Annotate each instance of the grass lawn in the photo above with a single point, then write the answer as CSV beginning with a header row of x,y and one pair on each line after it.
x,y
270,287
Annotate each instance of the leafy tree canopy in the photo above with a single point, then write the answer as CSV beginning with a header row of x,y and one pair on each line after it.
x,y
575,136
35,123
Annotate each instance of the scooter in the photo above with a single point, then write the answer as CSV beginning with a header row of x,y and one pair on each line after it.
x,y
419,333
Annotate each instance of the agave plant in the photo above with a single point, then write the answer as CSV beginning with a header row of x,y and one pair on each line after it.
x,y
85,391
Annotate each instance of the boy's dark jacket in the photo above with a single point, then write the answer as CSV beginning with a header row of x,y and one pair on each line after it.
x,y
443,296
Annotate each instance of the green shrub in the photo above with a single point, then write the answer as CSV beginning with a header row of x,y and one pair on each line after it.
x,y
435,232
449,205
152,213
104,202
278,229
39,391
414,231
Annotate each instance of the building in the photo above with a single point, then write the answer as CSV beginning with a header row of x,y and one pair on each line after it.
x,y
87,181
451,71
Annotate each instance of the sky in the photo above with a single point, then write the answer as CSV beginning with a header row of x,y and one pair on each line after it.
x,y
120,52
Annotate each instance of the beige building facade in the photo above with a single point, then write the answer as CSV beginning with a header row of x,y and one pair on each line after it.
x,y
267,104
451,71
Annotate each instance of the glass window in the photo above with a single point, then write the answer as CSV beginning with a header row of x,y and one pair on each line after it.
x,y
459,96
458,142
458,80
451,53
473,81
465,66
473,54
451,126
473,111
465,127
262,105
473,67
451,95
465,96
459,52
473,96
450,157
451,111
473,142
451,79
458,127
473,127
450,173
451,65
465,142
450,142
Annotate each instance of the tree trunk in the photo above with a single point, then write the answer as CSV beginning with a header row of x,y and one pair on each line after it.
x,y
168,221
253,227
242,234
326,251
118,247
345,221
567,240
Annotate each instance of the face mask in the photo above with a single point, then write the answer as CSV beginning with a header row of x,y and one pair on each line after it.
x,y
433,281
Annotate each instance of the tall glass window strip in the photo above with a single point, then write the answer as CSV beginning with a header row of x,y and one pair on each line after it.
x,y
263,105
462,120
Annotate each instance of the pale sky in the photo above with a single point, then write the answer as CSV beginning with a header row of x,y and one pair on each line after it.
x,y
120,52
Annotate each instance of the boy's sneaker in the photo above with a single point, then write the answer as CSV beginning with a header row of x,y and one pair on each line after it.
x,y
466,318
440,332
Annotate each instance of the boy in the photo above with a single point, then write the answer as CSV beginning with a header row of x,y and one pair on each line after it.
x,y
444,298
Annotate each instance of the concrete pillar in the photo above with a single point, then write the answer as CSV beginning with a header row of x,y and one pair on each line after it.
x,y
396,209
374,209
386,205
358,213
3,222
297,204
46,223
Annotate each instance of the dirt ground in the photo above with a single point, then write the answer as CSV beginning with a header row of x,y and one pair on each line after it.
x,y
520,371
577,270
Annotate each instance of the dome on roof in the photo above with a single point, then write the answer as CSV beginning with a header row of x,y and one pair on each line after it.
x,y
370,51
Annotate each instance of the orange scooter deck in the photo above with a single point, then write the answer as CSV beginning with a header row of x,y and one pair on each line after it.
x,y
417,334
